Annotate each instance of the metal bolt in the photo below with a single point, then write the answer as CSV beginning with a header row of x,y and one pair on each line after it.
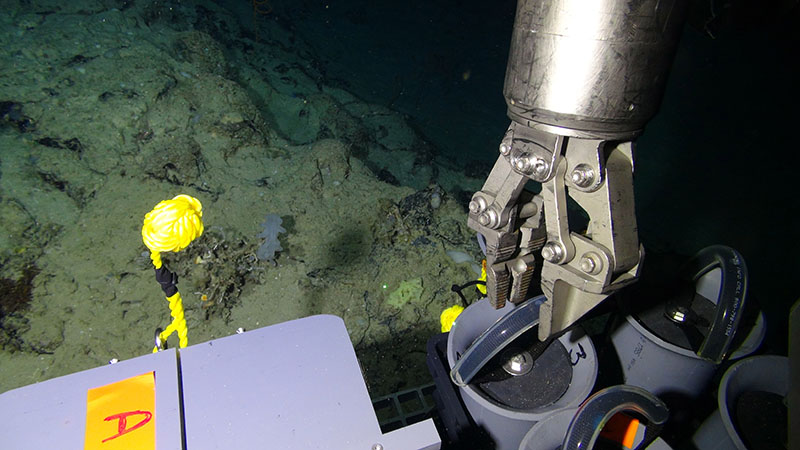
x,y
587,265
377,447
591,263
523,164
489,218
676,314
540,166
505,149
582,175
519,364
477,205
552,252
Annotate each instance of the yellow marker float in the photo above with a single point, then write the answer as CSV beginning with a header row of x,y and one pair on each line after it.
x,y
170,227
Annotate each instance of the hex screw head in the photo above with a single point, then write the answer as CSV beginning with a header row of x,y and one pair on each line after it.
x,y
523,164
552,252
518,364
477,204
590,263
587,265
488,218
540,167
582,175
474,207
505,149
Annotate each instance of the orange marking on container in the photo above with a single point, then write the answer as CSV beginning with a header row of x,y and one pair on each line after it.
x,y
621,429
121,415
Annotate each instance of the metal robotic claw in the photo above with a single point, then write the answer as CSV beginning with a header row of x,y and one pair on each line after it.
x,y
583,79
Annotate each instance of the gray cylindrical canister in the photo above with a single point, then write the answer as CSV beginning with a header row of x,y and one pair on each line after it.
x,y
507,406
758,376
655,354
549,433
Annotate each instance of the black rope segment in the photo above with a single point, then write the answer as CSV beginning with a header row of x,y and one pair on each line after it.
x,y
457,289
168,281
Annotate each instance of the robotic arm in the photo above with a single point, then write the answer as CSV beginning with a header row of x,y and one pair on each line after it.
x,y
583,79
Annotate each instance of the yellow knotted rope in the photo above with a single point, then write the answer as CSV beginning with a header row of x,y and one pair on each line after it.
x,y
170,227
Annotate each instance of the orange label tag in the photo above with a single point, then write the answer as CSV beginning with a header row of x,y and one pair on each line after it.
x,y
122,415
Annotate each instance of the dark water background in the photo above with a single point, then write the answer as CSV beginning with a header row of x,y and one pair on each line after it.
x,y
717,165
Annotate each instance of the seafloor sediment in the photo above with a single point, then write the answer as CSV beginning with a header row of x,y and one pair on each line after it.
x,y
107,110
